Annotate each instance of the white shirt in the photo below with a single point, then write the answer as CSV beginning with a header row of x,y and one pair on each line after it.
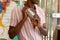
x,y
27,31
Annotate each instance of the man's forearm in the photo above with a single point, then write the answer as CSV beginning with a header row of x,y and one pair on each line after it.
x,y
17,28
19,25
43,30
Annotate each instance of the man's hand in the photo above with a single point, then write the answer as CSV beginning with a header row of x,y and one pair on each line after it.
x,y
36,21
24,12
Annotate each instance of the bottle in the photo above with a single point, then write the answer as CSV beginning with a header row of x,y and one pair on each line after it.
x,y
30,13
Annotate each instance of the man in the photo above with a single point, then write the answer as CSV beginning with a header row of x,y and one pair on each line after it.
x,y
5,18
25,28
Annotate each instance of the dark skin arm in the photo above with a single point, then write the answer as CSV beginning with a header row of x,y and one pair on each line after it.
x,y
18,27
43,30
36,22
